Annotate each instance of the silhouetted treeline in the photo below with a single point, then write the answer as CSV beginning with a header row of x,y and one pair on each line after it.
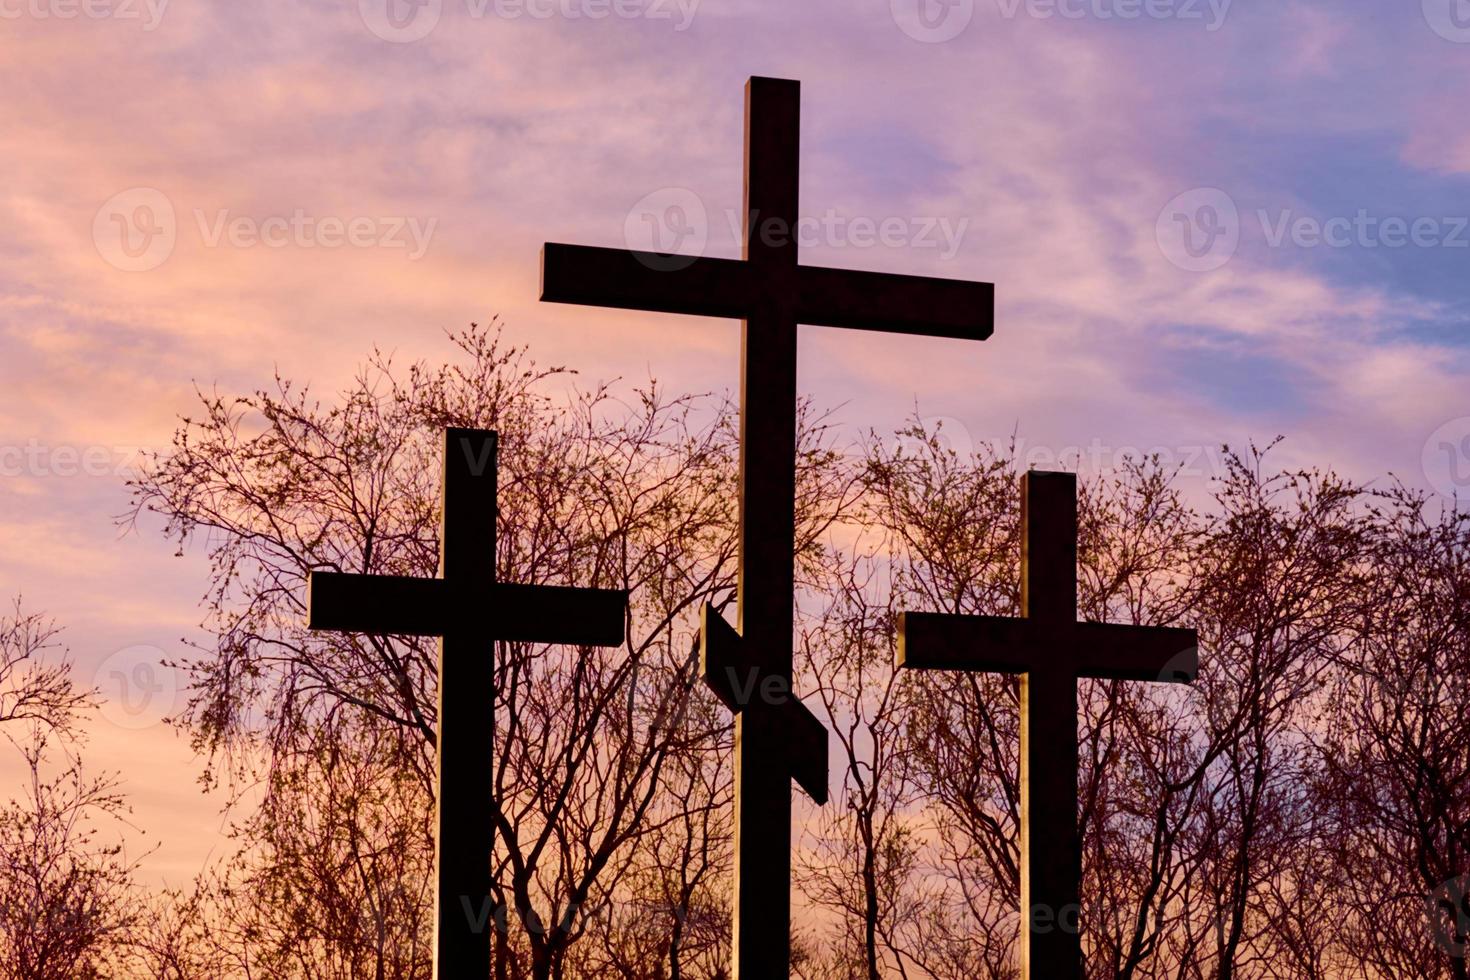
x,y
1301,812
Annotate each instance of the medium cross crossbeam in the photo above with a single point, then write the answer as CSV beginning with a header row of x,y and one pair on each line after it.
x,y
1050,649
749,667
469,610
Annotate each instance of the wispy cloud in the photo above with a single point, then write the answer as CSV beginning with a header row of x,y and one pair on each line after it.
x,y
284,150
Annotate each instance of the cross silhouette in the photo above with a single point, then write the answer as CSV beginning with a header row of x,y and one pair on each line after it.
x,y
749,667
468,609
1050,649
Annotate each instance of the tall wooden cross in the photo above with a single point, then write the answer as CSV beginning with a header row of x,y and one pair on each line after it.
x,y
1050,649
749,667
469,610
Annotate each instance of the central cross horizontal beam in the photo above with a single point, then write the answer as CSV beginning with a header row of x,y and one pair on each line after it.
x,y
401,605
1005,645
732,288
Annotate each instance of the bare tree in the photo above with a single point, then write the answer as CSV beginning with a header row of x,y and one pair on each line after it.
x,y
1395,747
67,895
1221,823
1195,804
635,494
36,681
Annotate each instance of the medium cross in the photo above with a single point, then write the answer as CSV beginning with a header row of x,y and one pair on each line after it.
x,y
749,667
1050,649
469,610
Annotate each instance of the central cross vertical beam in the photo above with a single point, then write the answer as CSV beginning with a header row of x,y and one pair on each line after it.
x,y
1051,848
464,773
766,581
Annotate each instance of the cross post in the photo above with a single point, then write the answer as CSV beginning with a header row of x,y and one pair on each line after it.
x,y
469,610
749,667
1051,650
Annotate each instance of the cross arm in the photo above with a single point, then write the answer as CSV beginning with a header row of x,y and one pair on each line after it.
x,y
404,605
987,644
400,605
732,672
1003,645
1136,653
652,281
895,303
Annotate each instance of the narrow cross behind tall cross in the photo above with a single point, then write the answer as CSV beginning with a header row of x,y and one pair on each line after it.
x,y
776,738
1050,649
469,610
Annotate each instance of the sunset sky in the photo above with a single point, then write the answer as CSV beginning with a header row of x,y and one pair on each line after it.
x,y
1207,222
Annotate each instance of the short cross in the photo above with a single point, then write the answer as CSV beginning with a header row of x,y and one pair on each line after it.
x,y
776,738
469,610
1050,649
